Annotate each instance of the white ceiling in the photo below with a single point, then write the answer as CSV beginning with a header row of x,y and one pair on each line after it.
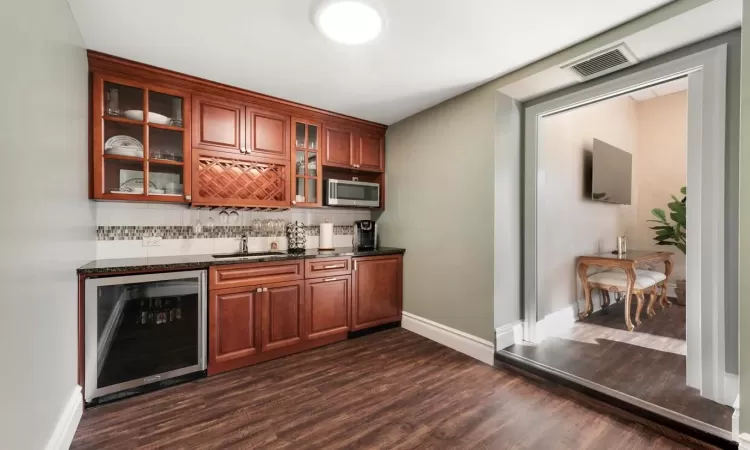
x,y
670,87
431,50
697,24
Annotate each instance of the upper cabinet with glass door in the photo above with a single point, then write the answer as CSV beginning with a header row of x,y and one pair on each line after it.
x,y
307,180
141,141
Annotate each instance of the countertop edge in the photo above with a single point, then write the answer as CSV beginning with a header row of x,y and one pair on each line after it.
x,y
157,267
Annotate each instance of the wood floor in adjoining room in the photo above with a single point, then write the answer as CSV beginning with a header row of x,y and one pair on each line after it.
x,y
648,363
392,389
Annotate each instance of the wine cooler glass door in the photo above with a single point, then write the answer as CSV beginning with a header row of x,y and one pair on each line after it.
x,y
143,329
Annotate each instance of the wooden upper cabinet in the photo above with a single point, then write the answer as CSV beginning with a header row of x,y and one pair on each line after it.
x,y
282,322
237,181
140,141
338,148
354,149
267,134
218,125
376,291
161,136
307,176
370,152
233,333
226,126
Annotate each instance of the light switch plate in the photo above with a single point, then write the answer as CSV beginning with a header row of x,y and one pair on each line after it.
x,y
152,241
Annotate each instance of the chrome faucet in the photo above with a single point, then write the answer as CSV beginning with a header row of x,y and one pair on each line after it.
x,y
243,244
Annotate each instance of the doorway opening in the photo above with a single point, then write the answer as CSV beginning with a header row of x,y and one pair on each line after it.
x,y
597,163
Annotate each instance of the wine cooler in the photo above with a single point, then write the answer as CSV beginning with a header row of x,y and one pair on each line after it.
x,y
143,329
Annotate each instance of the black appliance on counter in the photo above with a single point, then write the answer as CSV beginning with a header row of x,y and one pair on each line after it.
x,y
365,234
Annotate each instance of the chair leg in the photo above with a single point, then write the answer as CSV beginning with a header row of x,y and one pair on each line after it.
x,y
605,298
663,301
651,301
638,308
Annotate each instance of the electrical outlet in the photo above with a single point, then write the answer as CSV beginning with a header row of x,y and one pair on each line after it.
x,y
153,241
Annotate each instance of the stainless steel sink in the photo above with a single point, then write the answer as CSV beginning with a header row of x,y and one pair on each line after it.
x,y
248,255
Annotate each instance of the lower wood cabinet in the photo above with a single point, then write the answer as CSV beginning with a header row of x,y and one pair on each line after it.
x,y
233,327
262,311
283,308
376,291
327,306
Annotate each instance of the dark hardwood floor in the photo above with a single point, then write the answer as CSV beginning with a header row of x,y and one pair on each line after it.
x,y
392,389
648,363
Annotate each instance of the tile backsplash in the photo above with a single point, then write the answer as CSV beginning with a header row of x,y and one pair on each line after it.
x,y
121,228
136,232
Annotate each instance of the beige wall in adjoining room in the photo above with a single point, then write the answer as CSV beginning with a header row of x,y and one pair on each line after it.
x,y
661,169
569,223
732,41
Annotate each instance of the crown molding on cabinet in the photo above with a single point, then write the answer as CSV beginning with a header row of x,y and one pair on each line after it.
x,y
103,63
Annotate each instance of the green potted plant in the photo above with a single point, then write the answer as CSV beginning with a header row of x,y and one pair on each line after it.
x,y
673,231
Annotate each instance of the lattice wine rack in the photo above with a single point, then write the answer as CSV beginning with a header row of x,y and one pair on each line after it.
x,y
234,182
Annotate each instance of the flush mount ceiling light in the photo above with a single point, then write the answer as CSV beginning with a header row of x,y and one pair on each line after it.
x,y
348,22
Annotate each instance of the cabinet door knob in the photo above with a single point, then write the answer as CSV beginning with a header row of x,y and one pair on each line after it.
x,y
259,290
188,198
265,289
294,202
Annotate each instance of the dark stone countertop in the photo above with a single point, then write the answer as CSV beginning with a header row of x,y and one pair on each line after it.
x,y
186,262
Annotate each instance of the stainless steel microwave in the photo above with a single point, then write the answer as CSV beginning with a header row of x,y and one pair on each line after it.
x,y
351,193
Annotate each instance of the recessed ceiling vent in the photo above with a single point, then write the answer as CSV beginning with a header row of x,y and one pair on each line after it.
x,y
602,62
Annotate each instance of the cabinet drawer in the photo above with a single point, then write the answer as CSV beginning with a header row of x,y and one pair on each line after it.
x,y
236,275
328,267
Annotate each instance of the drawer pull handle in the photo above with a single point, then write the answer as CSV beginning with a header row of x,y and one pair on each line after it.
x,y
335,266
330,279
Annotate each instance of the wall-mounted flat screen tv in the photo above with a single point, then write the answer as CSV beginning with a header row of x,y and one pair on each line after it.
x,y
611,174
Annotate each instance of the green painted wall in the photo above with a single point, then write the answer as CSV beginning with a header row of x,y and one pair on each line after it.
x,y
440,192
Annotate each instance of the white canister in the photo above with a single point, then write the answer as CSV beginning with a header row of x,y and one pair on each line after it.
x,y
325,237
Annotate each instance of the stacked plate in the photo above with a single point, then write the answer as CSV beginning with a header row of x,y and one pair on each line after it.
x,y
135,186
123,145
137,114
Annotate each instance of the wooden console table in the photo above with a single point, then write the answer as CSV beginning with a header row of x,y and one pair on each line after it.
x,y
628,262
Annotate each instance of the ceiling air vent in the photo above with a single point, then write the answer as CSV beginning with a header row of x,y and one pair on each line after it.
x,y
602,62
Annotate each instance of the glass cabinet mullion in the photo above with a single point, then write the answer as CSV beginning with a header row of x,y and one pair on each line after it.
x,y
306,164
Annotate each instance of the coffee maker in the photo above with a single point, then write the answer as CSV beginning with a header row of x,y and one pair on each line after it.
x,y
365,234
